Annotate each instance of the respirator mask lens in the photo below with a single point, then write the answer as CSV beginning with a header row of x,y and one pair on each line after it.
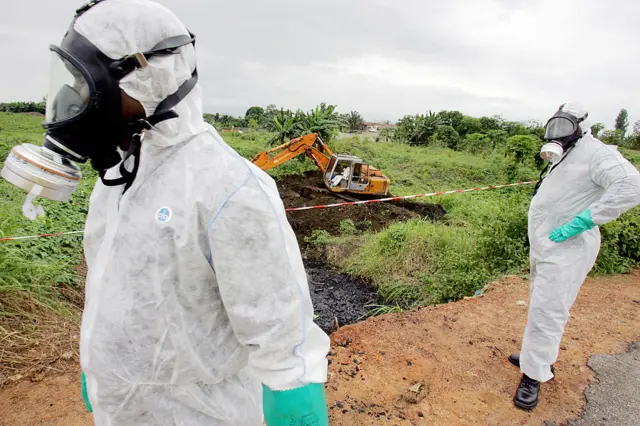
x,y
558,128
68,95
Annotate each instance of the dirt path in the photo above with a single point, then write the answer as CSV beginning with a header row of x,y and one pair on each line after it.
x,y
457,350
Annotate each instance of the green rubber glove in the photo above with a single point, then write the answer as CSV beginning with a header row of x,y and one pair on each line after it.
x,y
305,406
85,395
577,226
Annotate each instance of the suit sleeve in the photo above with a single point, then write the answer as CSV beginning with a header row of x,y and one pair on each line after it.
x,y
264,288
621,182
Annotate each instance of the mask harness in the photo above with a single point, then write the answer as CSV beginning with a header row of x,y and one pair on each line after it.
x,y
104,106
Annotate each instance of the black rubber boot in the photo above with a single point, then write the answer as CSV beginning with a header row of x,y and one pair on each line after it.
x,y
515,360
527,393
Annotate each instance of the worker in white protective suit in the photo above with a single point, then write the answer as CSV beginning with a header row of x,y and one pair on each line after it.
x,y
197,306
589,184
344,176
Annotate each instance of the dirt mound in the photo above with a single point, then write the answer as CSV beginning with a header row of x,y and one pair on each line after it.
x,y
297,191
336,297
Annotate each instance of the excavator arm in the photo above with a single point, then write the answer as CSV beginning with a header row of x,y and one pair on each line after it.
x,y
310,144
363,178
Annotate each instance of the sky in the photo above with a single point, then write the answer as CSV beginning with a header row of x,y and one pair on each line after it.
x,y
517,58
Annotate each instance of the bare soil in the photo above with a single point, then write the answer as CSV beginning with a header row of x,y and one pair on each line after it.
x,y
296,191
441,365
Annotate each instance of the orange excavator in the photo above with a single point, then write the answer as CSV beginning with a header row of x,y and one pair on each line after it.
x,y
341,172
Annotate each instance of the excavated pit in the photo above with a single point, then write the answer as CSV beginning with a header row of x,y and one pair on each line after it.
x,y
295,192
338,299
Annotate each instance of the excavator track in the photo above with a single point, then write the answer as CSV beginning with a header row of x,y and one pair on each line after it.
x,y
308,190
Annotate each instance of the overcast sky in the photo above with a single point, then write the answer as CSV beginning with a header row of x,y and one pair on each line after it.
x,y
384,58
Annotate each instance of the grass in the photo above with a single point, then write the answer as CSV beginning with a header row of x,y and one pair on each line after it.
x,y
414,263
45,268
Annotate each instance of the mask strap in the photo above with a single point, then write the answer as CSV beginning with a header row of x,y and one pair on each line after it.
x,y
122,67
127,177
537,187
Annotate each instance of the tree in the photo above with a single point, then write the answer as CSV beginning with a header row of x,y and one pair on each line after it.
x,y
285,126
387,134
19,107
448,136
513,128
633,141
354,122
469,125
476,143
451,118
611,137
323,120
498,139
266,120
522,147
418,129
622,122
209,118
596,129
254,113
253,123
491,123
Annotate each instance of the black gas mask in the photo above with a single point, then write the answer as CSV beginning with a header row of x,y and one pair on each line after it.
x,y
84,118
561,133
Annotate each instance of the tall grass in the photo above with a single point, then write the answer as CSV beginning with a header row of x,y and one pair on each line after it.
x,y
45,269
483,236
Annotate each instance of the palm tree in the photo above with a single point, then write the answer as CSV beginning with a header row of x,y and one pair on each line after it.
x,y
354,121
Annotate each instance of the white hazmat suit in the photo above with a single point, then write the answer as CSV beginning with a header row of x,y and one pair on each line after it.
x,y
593,176
196,292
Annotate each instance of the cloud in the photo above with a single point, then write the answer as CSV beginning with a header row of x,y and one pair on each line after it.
x,y
385,59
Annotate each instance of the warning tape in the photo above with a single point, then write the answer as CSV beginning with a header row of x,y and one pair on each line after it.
x,y
409,197
326,206
28,237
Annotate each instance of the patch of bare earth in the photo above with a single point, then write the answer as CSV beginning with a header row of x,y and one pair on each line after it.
x,y
441,365
459,353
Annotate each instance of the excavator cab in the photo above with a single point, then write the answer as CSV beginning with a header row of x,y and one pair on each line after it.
x,y
348,173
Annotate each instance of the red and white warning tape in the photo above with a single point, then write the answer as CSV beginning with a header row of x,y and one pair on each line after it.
x,y
326,206
409,197
29,237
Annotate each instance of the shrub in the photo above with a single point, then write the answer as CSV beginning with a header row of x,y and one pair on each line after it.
x,y
476,143
348,227
447,136
319,237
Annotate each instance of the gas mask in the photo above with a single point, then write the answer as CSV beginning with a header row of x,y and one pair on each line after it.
x,y
84,119
561,133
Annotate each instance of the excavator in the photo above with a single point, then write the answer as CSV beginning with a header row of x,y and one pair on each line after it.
x,y
342,173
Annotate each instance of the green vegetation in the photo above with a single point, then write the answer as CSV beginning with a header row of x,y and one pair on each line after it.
x,y
46,268
483,236
323,119
37,107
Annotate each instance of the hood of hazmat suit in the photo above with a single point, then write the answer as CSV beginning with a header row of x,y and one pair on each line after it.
x,y
196,293
591,176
